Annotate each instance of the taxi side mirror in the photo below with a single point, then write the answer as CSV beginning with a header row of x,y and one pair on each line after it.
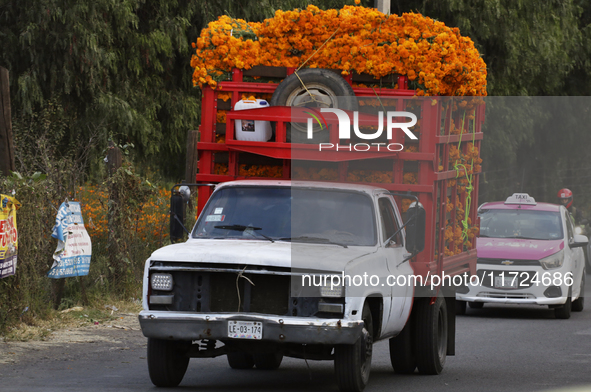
x,y
578,241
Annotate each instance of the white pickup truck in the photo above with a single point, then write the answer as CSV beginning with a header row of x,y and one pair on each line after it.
x,y
257,280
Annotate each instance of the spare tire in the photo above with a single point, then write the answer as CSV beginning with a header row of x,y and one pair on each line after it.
x,y
316,88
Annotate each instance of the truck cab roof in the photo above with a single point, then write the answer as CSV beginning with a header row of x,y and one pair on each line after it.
x,y
305,184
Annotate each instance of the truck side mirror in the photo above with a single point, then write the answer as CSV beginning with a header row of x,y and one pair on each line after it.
x,y
177,217
415,228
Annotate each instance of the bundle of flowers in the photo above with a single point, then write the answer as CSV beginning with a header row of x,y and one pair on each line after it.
x,y
359,39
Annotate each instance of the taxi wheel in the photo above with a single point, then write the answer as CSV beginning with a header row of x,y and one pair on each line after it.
x,y
240,360
563,312
167,361
579,303
476,305
460,307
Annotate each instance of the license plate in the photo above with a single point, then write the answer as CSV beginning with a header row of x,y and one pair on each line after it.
x,y
245,330
505,282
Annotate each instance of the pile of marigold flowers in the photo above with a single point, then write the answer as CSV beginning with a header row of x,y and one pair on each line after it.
x,y
353,38
149,225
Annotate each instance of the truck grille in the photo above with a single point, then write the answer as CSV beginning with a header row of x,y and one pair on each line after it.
x,y
507,295
235,292
523,279
511,261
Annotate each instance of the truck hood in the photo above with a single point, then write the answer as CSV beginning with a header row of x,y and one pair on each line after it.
x,y
318,257
520,249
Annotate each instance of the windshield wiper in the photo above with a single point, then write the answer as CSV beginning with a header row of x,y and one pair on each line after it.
x,y
244,228
305,238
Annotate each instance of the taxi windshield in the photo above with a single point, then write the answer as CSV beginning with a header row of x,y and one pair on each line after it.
x,y
338,217
534,225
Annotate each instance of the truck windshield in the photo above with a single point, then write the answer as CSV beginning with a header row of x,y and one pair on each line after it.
x,y
289,214
535,225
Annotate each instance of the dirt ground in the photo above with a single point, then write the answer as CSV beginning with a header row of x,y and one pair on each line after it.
x,y
113,326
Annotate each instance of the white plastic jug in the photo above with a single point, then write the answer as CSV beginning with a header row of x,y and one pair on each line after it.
x,y
253,131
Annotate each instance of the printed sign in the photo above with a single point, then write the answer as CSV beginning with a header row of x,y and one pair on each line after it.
x,y
74,249
8,235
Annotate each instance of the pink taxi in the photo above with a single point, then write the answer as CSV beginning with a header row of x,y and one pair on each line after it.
x,y
528,253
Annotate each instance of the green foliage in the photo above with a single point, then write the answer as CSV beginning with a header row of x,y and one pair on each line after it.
x,y
127,252
51,169
529,46
29,287
119,68
260,10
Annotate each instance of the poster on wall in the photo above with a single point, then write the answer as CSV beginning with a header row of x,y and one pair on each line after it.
x,y
8,235
74,248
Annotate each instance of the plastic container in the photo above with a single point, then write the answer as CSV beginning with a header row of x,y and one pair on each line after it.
x,y
253,131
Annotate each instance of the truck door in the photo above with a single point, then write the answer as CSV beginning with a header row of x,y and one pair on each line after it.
x,y
393,248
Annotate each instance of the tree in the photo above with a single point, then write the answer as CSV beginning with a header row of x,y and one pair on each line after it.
x,y
120,68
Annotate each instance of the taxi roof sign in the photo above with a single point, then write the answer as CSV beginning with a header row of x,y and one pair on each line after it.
x,y
521,198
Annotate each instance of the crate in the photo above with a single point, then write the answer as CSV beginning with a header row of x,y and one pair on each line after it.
x,y
227,159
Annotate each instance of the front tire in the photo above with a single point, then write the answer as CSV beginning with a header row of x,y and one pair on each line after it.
x,y
352,362
268,361
431,329
167,361
240,360
563,312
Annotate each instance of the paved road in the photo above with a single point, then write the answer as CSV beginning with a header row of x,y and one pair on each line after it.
x,y
499,348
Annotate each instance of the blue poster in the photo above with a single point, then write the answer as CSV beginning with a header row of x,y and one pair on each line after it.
x,y
74,248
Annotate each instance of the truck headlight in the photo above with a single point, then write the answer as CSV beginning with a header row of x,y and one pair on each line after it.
x,y
553,261
334,292
161,282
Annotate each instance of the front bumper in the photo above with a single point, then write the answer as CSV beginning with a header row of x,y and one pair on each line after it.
x,y
511,298
196,326
535,294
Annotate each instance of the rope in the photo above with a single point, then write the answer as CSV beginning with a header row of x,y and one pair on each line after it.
x,y
308,59
312,55
469,187
240,275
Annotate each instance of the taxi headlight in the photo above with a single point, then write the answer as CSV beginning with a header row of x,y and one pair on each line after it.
x,y
161,282
334,292
553,261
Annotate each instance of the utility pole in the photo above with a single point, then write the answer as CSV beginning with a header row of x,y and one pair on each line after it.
x,y
383,6
6,141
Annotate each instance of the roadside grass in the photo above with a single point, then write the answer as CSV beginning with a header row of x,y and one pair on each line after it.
x,y
29,307
103,312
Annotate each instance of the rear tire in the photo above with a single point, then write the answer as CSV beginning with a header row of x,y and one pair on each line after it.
x,y
579,303
268,361
431,329
167,361
476,305
240,360
352,362
402,355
